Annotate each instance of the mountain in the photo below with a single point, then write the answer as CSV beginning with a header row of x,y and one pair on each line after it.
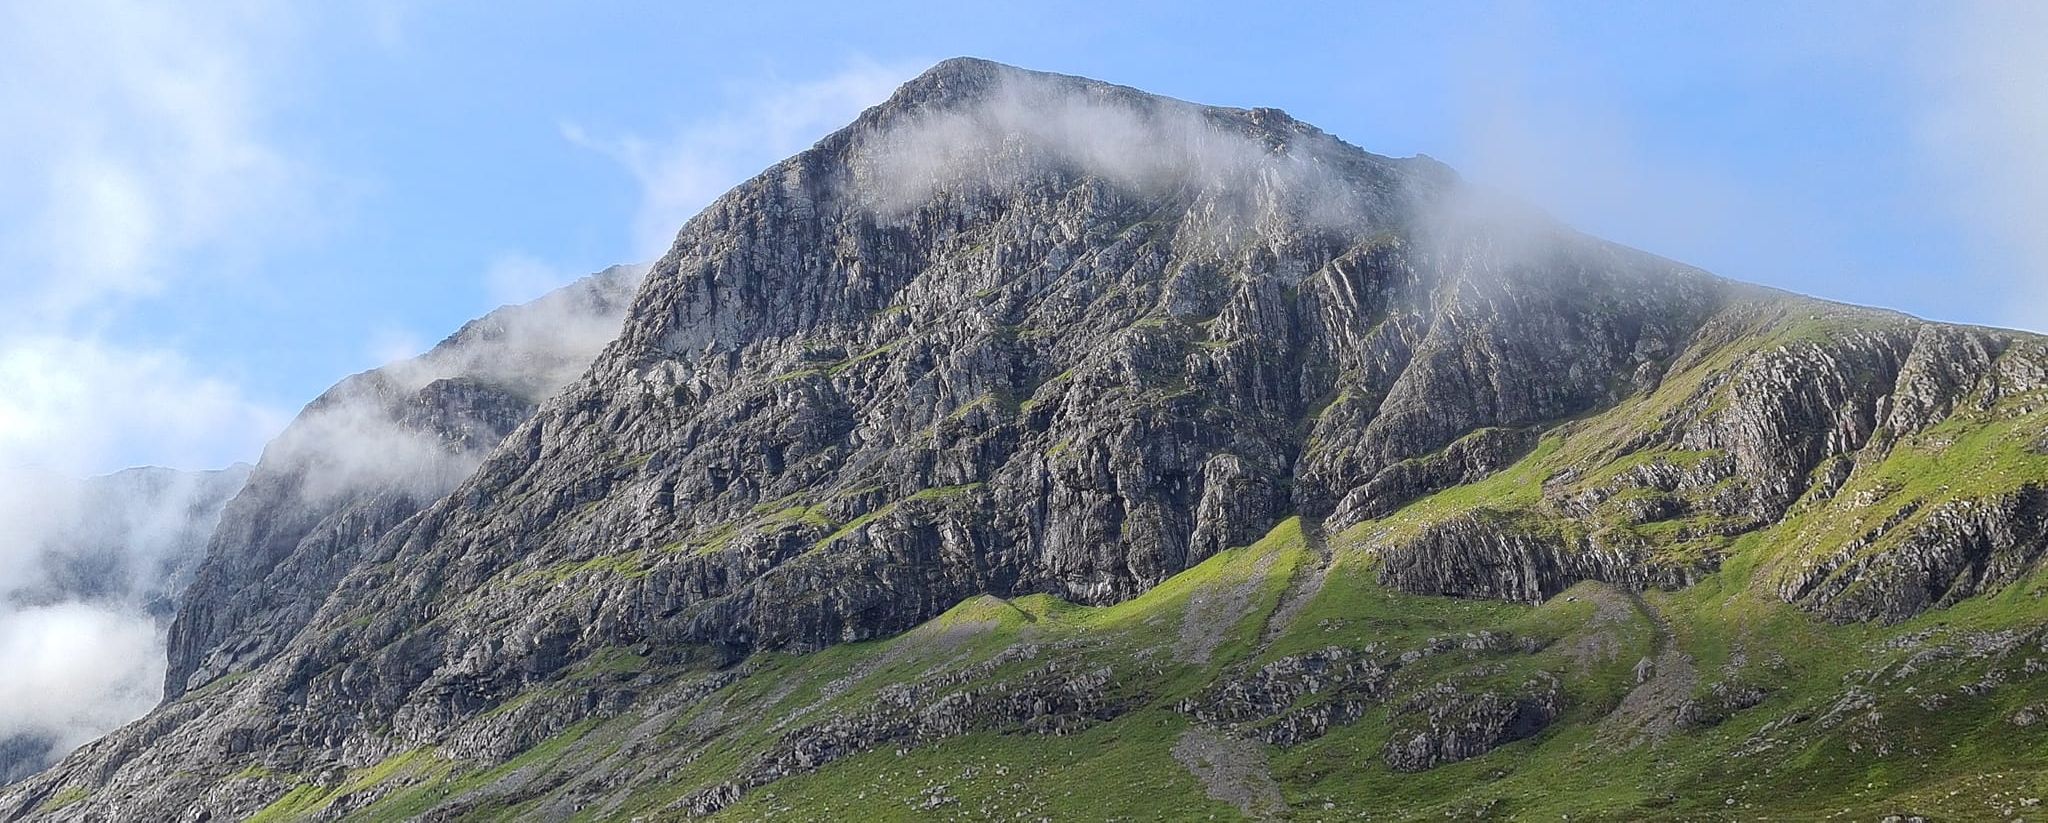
x,y
369,453
102,560
1038,447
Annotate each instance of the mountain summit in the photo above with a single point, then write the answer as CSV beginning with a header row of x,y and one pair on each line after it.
x,y
1038,445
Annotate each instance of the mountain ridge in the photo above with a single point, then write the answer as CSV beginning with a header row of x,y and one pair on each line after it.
x,y
975,375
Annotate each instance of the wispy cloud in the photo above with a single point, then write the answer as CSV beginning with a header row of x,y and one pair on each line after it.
x,y
135,136
70,404
682,172
1027,123
1541,122
366,433
1984,121
136,153
517,278
66,697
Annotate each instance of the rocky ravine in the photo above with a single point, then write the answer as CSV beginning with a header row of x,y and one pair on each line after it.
x,y
981,342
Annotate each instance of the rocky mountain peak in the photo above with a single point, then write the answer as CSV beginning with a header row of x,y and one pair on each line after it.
x,y
1019,338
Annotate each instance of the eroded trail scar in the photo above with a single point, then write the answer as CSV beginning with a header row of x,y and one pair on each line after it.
x,y
1214,611
1303,587
1232,771
1664,682
1601,640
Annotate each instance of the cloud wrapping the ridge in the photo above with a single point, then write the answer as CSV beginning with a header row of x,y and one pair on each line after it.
x,y
1028,124
681,173
361,435
1247,171
359,445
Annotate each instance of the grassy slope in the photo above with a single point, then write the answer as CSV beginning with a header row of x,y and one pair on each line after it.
x,y
1950,761
1930,741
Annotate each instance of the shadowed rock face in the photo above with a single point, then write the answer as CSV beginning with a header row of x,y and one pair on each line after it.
x,y
1013,333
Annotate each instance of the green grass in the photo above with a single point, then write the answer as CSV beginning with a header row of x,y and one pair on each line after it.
x,y
941,494
216,685
841,367
1779,759
1515,489
1124,767
630,565
62,799
254,771
306,800
612,660
1124,771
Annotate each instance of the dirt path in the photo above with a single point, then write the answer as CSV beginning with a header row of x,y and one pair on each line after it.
x,y
1665,682
1303,588
1612,612
1214,610
927,639
1232,771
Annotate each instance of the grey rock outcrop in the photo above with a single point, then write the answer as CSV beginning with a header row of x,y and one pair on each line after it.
x,y
1450,722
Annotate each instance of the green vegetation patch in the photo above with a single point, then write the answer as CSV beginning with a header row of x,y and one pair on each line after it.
x,y
63,798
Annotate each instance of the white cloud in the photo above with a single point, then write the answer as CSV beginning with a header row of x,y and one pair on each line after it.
x,y
75,663
134,137
1029,122
358,444
1984,120
137,157
518,278
69,405
392,344
681,173
75,671
134,154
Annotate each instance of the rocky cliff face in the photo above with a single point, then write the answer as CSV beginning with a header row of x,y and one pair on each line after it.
x,y
1893,463
1021,334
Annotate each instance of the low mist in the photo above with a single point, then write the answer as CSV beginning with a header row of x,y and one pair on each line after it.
x,y
89,572
1248,165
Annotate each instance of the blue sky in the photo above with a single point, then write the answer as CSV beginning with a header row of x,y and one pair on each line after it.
x,y
214,214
